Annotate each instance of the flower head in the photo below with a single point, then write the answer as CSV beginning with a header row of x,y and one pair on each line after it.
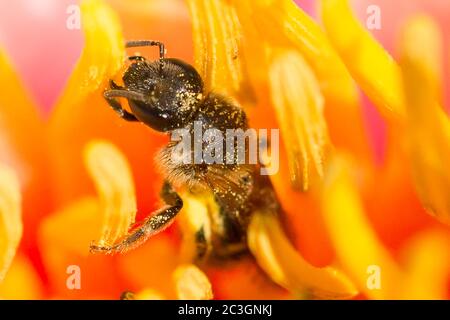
x,y
343,216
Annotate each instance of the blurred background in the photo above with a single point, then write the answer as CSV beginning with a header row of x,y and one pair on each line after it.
x,y
31,33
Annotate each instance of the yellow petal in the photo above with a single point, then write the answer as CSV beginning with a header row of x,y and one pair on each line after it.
x,y
356,244
22,281
10,218
299,103
194,218
369,64
427,55
428,127
218,49
428,263
285,266
192,284
102,56
284,24
148,294
64,238
112,177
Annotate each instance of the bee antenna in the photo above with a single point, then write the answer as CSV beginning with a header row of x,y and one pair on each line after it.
x,y
147,43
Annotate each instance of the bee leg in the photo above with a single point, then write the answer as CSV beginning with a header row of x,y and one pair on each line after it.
x,y
116,106
150,226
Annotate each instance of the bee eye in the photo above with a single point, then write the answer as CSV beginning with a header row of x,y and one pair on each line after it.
x,y
170,94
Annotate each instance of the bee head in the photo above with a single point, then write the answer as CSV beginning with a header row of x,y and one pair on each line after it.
x,y
166,92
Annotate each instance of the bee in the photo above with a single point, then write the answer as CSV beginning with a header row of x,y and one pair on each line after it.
x,y
168,94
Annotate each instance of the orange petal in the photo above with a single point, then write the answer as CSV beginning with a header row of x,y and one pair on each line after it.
x,y
428,261
151,266
64,238
23,147
286,267
243,279
165,20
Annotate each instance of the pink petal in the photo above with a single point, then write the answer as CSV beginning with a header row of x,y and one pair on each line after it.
x,y
43,49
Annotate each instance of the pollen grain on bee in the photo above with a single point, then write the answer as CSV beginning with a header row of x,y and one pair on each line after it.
x,y
202,144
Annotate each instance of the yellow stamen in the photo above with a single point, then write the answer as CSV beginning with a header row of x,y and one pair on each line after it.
x,y
356,244
192,284
193,218
10,218
369,64
299,105
218,49
428,266
428,127
112,177
283,24
286,267
102,57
